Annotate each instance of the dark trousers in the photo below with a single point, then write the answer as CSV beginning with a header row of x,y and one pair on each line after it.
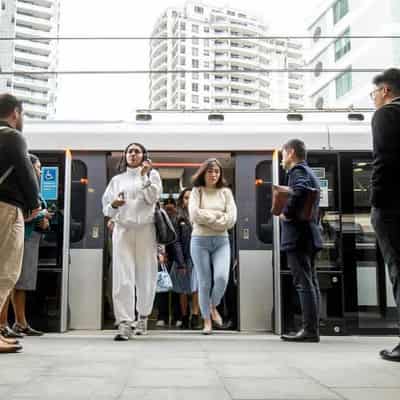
x,y
386,224
305,280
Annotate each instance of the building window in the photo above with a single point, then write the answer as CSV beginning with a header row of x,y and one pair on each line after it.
x,y
206,64
340,9
195,41
183,26
206,29
206,75
195,87
206,99
206,53
206,88
342,45
195,63
195,52
195,28
195,98
195,75
182,61
343,84
183,86
182,97
183,49
198,10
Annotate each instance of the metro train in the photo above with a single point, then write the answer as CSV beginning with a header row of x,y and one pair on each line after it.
x,y
80,157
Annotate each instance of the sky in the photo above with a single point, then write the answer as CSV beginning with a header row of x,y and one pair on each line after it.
x,y
117,97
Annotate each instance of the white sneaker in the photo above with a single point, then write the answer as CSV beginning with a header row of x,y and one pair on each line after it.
x,y
141,326
160,323
124,332
178,324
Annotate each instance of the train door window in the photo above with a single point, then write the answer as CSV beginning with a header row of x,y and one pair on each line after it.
x,y
325,167
264,219
369,302
78,200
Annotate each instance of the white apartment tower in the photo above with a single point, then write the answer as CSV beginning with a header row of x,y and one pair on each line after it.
x,y
218,40
32,23
341,19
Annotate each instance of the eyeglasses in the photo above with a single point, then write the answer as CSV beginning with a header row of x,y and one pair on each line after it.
x,y
373,93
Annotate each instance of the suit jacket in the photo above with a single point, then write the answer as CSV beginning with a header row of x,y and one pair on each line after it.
x,y
295,234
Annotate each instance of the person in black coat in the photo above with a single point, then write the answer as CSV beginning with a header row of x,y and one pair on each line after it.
x,y
385,190
301,240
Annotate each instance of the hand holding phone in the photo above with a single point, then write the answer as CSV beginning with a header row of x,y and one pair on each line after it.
x,y
146,166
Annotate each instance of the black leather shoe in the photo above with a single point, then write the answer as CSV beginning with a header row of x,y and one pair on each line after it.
x,y
27,331
393,355
121,338
301,336
8,333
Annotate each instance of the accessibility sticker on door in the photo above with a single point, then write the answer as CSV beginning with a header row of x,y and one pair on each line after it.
x,y
49,183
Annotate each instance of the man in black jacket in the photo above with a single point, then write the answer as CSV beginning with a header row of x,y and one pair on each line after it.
x,y
301,239
385,190
19,194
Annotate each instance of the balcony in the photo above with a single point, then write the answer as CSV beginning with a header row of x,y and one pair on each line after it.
x,y
36,110
160,80
33,97
30,83
30,33
159,93
34,47
34,59
161,48
40,11
159,62
34,23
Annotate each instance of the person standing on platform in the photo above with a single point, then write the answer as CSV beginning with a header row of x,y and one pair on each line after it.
x,y
385,190
301,240
19,193
213,212
28,278
130,200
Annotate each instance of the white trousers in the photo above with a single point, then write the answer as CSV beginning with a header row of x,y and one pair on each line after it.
x,y
134,264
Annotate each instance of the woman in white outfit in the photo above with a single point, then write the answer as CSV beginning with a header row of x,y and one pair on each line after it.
x,y
129,200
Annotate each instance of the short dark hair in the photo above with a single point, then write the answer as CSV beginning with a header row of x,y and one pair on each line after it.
x,y
34,158
390,77
8,103
298,146
198,178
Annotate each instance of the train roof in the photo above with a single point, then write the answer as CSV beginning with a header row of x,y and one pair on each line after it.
x,y
195,132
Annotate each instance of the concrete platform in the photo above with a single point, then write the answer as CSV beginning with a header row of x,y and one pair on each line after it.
x,y
169,366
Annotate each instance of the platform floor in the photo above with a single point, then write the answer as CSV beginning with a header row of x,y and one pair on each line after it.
x,y
174,365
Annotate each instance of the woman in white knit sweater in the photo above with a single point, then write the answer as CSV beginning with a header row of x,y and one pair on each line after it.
x,y
129,200
212,211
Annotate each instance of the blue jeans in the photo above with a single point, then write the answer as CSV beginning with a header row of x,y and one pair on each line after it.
x,y
211,254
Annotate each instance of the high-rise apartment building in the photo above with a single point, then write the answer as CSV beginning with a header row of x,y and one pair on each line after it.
x,y
214,40
31,23
343,19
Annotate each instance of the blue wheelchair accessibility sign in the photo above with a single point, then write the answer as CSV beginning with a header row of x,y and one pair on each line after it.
x,y
49,183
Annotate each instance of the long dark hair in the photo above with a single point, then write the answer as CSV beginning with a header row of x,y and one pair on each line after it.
x,y
122,165
198,178
179,203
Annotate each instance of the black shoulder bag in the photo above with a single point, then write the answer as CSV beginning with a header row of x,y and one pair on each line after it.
x,y
165,231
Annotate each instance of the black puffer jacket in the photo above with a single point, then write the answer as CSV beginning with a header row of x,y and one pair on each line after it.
x,y
20,188
183,227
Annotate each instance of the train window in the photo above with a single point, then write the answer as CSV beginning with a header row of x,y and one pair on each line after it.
x,y
78,200
263,182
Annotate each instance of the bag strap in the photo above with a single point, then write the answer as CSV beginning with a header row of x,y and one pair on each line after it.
x,y
6,174
201,197
10,169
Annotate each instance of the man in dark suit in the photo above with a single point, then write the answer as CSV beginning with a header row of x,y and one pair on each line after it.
x,y
385,190
301,239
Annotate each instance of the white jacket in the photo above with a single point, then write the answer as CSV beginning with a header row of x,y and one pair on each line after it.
x,y
141,194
